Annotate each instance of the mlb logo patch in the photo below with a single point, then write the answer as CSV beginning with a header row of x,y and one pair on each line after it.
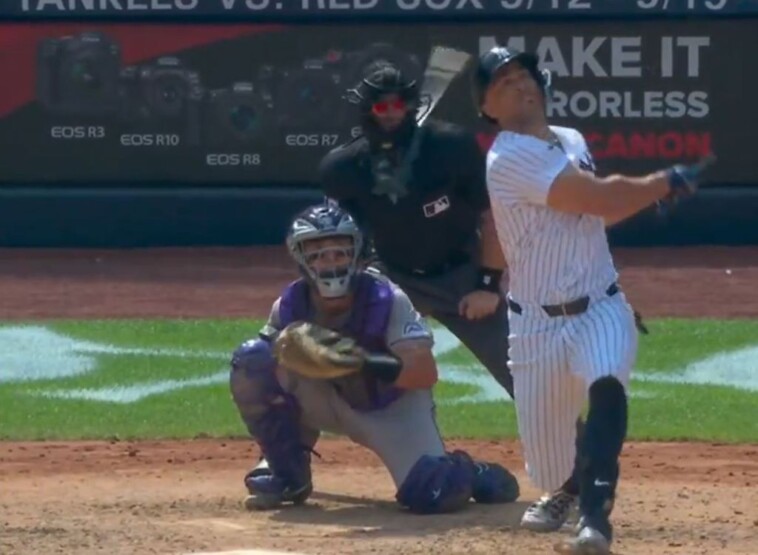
x,y
413,328
437,207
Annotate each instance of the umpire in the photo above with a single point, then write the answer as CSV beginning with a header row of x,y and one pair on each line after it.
x,y
421,195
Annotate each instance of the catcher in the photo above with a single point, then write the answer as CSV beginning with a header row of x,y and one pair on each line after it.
x,y
344,351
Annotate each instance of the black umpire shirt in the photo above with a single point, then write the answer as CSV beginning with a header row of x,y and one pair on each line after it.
x,y
436,222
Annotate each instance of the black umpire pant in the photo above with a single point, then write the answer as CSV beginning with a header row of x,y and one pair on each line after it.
x,y
437,295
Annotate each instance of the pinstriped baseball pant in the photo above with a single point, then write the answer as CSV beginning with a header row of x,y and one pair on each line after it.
x,y
554,361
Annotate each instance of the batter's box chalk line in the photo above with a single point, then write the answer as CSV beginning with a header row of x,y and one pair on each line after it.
x,y
247,552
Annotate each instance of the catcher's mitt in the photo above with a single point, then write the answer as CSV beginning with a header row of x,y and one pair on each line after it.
x,y
317,352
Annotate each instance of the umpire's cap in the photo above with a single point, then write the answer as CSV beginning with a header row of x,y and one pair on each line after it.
x,y
493,61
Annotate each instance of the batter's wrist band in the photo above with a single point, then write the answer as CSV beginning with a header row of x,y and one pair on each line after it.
x,y
488,279
383,367
678,184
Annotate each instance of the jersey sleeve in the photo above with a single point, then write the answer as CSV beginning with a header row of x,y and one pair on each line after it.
x,y
523,170
405,322
273,325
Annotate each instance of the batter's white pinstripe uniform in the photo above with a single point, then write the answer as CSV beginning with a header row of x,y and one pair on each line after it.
x,y
554,258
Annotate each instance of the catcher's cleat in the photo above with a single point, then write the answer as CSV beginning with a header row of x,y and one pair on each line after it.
x,y
270,492
550,513
261,469
594,537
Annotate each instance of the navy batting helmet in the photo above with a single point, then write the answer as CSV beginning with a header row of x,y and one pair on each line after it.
x,y
493,61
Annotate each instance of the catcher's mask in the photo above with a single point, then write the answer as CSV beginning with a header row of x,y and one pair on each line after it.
x,y
386,89
331,268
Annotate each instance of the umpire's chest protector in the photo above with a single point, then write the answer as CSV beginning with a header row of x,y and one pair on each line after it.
x,y
434,187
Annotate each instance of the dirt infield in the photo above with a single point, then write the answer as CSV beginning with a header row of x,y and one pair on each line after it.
x,y
183,497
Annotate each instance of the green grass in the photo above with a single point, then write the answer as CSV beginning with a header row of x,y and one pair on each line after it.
x,y
676,342
662,411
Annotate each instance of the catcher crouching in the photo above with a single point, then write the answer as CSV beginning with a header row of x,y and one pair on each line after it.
x,y
344,351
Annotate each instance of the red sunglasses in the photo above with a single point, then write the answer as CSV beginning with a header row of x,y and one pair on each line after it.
x,y
382,107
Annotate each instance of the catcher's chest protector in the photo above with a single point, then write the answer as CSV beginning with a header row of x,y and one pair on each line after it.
x,y
368,321
367,324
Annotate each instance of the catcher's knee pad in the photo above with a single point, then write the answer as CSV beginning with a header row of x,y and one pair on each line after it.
x,y
253,375
254,358
437,484
494,484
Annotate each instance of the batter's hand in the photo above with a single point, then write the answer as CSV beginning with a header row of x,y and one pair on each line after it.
x,y
478,304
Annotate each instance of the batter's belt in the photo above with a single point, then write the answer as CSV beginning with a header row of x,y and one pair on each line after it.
x,y
578,306
571,308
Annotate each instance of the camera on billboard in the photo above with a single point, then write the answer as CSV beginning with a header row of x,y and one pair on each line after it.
x,y
236,115
79,75
313,95
163,96
82,75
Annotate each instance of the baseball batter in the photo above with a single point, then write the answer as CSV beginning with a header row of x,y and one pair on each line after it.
x,y
572,332
385,404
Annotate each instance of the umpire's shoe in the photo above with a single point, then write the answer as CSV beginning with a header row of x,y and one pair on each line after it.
x,y
549,513
594,537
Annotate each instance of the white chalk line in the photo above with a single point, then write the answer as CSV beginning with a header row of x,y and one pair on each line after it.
x,y
246,552
31,353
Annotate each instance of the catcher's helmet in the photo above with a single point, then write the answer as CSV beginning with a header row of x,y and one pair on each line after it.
x,y
493,61
319,222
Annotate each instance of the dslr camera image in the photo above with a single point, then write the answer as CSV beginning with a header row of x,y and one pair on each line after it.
x,y
79,75
162,97
313,94
236,115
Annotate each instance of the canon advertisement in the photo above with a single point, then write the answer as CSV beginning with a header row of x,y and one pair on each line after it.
x,y
146,105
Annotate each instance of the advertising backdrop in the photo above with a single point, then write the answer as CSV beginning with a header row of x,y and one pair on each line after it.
x,y
251,105
365,10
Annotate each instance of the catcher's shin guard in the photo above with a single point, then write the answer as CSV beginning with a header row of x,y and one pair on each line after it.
x,y
289,463
440,484
272,417
494,484
490,483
